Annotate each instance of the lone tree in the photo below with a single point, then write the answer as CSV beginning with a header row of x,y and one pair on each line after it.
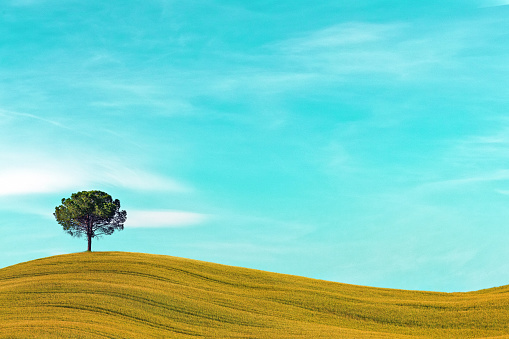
x,y
93,213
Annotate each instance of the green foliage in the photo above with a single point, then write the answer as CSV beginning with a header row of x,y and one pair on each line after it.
x,y
134,295
90,213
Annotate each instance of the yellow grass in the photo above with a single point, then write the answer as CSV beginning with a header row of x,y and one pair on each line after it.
x,y
133,295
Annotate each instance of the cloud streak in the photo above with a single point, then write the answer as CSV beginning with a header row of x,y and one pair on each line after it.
x,y
46,176
359,48
163,218
489,177
33,181
494,3
401,49
7,113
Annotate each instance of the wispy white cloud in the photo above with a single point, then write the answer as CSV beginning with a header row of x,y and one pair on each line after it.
x,y
490,147
163,218
36,180
57,163
478,160
346,34
42,175
11,114
121,175
493,3
400,49
360,47
488,177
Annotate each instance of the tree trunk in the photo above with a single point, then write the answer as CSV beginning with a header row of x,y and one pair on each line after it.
x,y
89,234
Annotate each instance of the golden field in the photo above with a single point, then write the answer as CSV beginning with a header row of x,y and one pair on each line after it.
x,y
134,295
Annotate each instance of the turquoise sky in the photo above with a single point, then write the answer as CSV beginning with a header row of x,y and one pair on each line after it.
x,y
363,142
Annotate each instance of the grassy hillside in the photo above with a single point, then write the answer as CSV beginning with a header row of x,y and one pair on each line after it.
x,y
132,295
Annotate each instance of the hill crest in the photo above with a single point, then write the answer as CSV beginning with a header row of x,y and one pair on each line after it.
x,y
89,294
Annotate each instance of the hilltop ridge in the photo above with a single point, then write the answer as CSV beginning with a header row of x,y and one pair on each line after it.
x,y
130,295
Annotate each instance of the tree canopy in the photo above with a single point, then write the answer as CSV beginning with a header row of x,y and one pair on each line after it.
x,y
90,213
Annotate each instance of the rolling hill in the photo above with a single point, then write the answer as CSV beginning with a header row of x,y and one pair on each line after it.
x,y
134,295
